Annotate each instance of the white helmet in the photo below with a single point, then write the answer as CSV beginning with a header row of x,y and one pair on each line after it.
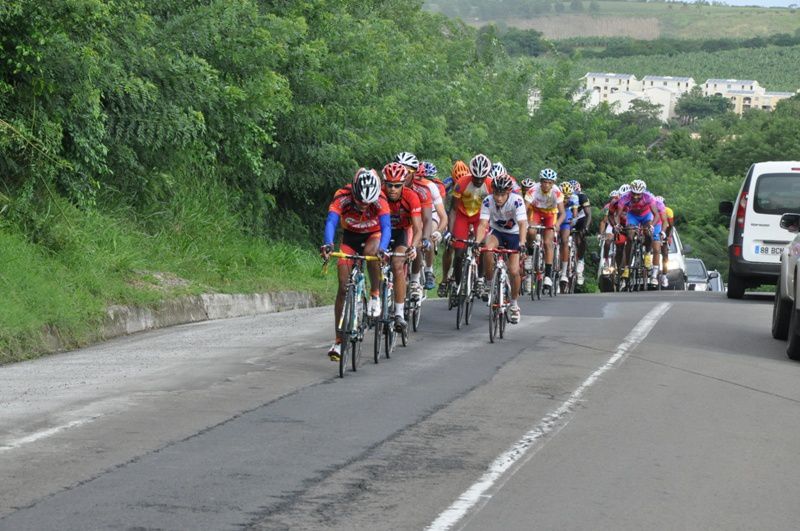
x,y
624,189
497,170
480,166
366,186
548,174
407,159
638,186
613,194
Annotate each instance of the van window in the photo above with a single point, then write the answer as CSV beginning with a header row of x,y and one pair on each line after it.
x,y
694,268
777,193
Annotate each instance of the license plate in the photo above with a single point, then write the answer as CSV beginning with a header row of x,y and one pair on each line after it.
x,y
768,250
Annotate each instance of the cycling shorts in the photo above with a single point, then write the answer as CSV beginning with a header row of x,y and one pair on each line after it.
x,y
355,242
399,238
580,224
461,227
635,220
657,232
566,226
543,217
507,240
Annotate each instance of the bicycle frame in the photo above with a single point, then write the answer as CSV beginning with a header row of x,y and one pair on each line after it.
x,y
500,293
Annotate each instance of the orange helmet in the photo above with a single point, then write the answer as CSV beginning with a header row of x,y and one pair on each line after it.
x,y
459,170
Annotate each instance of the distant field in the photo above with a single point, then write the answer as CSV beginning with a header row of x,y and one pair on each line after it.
x,y
652,20
773,67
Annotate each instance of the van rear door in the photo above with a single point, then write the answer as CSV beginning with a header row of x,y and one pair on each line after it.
x,y
771,196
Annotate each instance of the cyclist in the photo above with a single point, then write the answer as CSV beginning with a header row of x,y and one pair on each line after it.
x,y
669,217
571,212
658,223
428,172
607,226
459,171
411,163
619,227
640,209
547,209
406,214
582,223
468,196
504,213
363,213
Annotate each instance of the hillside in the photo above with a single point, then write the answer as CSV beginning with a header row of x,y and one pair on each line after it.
x,y
770,66
641,20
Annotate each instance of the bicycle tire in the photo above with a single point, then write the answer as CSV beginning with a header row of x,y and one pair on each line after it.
x,y
470,300
355,357
416,315
503,317
389,339
349,312
378,346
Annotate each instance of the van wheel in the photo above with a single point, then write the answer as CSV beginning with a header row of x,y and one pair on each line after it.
x,y
735,286
793,350
781,315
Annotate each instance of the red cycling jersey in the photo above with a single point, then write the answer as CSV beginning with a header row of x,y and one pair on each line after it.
x,y
354,220
420,186
406,207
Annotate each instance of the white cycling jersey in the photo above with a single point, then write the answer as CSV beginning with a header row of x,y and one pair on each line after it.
x,y
505,218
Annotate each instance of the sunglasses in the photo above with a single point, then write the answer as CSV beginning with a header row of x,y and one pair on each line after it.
x,y
394,185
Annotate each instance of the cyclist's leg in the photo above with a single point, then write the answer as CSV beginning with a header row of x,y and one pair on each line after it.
x,y
461,232
488,258
564,245
656,246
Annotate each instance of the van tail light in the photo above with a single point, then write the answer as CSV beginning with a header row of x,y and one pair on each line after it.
x,y
740,211
737,250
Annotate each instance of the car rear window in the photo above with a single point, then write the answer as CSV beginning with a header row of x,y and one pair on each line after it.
x,y
777,193
695,269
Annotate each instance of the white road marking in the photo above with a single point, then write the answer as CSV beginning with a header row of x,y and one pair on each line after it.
x,y
33,437
552,423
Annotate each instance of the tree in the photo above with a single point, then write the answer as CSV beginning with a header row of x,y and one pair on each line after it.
x,y
694,105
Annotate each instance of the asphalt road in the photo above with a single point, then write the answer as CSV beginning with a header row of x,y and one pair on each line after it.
x,y
634,411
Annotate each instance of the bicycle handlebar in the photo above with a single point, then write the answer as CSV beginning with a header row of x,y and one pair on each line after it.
x,y
339,254
498,250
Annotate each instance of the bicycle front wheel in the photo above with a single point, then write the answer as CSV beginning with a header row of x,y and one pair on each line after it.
x,y
378,346
470,303
416,316
494,308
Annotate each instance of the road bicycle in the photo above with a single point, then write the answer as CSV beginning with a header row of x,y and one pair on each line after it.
x,y
637,272
385,333
466,289
572,266
412,310
353,321
607,277
499,294
534,265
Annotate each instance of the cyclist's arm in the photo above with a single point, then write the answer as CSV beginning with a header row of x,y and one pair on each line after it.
x,y
588,210
442,218
482,229
427,223
330,227
562,214
386,231
603,223
523,232
416,227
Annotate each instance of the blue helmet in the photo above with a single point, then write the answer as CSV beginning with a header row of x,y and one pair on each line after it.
x,y
548,174
449,184
430,168
576,186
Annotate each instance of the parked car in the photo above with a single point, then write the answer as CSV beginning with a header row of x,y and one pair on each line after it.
x,y
698,277
676,273
715,281
785,310
755,237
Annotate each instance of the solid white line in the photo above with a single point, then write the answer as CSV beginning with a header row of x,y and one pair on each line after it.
x,y
551,423
17,443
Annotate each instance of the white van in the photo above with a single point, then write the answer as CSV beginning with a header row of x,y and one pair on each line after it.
x,y
755,238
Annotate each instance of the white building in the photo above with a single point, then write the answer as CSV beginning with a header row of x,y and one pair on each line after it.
x,y
679,85
609,83
719,87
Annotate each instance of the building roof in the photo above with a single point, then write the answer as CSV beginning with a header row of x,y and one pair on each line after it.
x,y
785,94
732,81
745,92
667,78
610,75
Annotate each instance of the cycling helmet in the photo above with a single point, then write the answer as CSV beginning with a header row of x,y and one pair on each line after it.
x,y
459,170
498,170
407,159
366,186
449,184
638,186
576,186
660,198
527,183
394,172
548,175
503,183
566,188
613,194
480,166
624,189
430,169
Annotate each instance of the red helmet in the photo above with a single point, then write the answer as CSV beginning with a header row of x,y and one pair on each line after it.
x,y
394,172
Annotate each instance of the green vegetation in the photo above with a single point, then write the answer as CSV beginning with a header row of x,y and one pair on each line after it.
x,y
648,20
772,66
152,149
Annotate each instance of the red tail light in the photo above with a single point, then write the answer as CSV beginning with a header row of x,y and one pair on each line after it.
x,y
740,211
737,250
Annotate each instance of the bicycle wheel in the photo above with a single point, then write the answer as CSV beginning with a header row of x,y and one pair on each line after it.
x,y
349,313
406,316
416,315
361,326
494,308
469,303
378,346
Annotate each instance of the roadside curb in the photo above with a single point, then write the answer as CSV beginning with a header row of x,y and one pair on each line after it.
x,y
124,320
